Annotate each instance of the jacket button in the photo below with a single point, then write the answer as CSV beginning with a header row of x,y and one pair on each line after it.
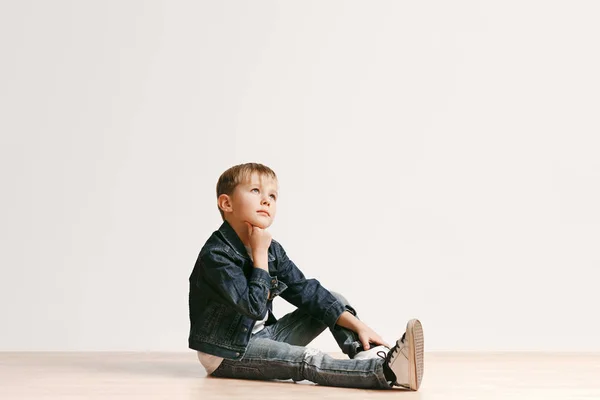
x,y
237,354
245,329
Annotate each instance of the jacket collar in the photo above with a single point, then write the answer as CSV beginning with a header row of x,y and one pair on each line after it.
x,y
232,238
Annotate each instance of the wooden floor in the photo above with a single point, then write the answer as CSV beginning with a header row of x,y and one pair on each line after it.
x,y
180,376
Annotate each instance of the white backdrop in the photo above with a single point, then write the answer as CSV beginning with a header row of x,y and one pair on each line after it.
x,y
436,159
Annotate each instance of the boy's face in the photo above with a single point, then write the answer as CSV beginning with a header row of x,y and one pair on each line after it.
x,y
254,201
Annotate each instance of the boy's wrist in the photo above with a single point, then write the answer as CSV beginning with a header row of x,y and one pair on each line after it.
x,y
259,250
349,321
260,259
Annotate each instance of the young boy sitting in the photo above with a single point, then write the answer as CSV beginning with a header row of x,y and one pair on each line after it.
x,y
240,269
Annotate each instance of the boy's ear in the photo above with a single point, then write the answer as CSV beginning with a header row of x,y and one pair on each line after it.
x,y
224,203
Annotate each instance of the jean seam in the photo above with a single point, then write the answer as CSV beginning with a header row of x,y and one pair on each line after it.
x,y
273,360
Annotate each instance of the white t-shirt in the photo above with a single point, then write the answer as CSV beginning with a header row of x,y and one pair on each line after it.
x,y
210,362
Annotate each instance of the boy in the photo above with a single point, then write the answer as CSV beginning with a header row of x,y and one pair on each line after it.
x,y
239,271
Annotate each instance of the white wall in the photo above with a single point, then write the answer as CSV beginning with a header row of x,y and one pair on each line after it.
x,y
436,159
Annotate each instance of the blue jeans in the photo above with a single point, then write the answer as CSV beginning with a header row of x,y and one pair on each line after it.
x,y
278,352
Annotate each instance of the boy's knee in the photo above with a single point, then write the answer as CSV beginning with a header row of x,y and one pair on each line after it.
x,y
340,298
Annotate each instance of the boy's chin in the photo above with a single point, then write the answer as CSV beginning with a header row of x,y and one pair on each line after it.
x,y
262,223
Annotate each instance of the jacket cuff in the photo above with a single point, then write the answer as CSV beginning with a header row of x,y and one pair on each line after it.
x,y
262,277
333,313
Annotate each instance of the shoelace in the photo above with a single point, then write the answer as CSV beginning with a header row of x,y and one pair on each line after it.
x,y
387,357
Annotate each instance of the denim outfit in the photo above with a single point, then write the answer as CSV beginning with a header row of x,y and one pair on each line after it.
x,y
228,294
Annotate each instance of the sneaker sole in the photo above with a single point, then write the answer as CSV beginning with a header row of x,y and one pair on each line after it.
x,y
414,335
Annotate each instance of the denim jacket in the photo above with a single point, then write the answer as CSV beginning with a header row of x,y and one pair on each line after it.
x,y
228,295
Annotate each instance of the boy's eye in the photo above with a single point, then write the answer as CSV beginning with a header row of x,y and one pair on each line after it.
x,y
273,196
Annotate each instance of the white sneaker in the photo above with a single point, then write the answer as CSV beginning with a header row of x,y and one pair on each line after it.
x,y
371,353
405,359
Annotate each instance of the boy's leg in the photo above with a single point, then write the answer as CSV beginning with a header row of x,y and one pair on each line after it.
x,y
299,328
270,359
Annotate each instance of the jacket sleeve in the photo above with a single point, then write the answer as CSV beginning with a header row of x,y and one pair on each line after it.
x,y
307,294
247,296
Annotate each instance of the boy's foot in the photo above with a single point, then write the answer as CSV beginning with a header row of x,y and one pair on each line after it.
x,y
405,359
371,353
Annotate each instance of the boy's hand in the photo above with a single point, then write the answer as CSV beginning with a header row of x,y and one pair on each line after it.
x,y
260,239
366,335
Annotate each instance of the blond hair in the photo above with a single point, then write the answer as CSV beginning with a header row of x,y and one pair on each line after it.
x,y
238,174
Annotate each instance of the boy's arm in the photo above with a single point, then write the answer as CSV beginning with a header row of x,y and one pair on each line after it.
x,y
247,296
307,294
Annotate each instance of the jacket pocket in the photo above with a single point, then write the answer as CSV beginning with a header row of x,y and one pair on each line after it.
x,y
210,318
220,324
